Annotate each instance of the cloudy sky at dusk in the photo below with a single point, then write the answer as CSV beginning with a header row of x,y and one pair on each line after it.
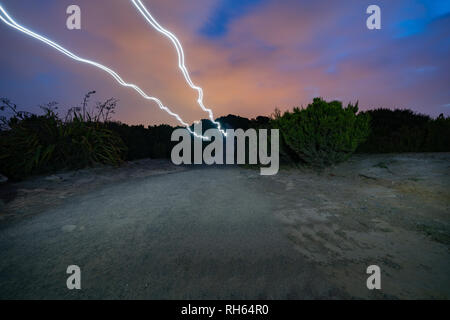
x,y
249,56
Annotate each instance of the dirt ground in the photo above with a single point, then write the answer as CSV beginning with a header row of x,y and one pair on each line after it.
x,y
388,210
151,230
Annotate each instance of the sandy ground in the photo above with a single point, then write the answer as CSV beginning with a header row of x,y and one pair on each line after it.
x,y
151,230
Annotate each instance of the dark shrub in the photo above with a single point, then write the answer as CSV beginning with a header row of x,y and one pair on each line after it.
x,y
151,142
234,122
323,133
438,135
406,131
31,144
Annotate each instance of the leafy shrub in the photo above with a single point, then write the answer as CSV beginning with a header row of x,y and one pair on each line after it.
x,y
87,143
151,142
32,143
323,133
438,135
405,131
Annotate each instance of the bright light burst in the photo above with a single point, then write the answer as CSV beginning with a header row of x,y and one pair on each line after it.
x,y
13,24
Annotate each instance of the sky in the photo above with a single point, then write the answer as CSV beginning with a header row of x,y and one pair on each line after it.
x,y
249,56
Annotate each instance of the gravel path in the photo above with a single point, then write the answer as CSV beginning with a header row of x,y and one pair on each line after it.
x,y
194,234
151,230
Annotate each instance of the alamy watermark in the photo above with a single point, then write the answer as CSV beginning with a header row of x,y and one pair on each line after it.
x,y
373,22
73,21
74,280
253,147
374,280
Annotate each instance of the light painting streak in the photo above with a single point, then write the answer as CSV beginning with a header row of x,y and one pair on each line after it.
x,y
13,24
181,60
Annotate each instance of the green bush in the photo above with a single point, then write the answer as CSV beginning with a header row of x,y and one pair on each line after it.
x,y
438,135
322,134
406,131
144,142
31,144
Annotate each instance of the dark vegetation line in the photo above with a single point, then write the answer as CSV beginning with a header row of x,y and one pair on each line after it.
x,y
322,134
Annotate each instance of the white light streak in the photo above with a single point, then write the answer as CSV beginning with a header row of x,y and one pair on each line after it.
x,y
13,24
181,61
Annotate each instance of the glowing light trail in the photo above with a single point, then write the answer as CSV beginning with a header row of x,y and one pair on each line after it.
x,y
181,61
10,22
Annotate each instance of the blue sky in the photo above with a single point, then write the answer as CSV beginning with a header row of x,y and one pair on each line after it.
x,y
224,13
249,56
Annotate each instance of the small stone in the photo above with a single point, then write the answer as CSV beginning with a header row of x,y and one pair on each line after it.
x,y
53,178
3,179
